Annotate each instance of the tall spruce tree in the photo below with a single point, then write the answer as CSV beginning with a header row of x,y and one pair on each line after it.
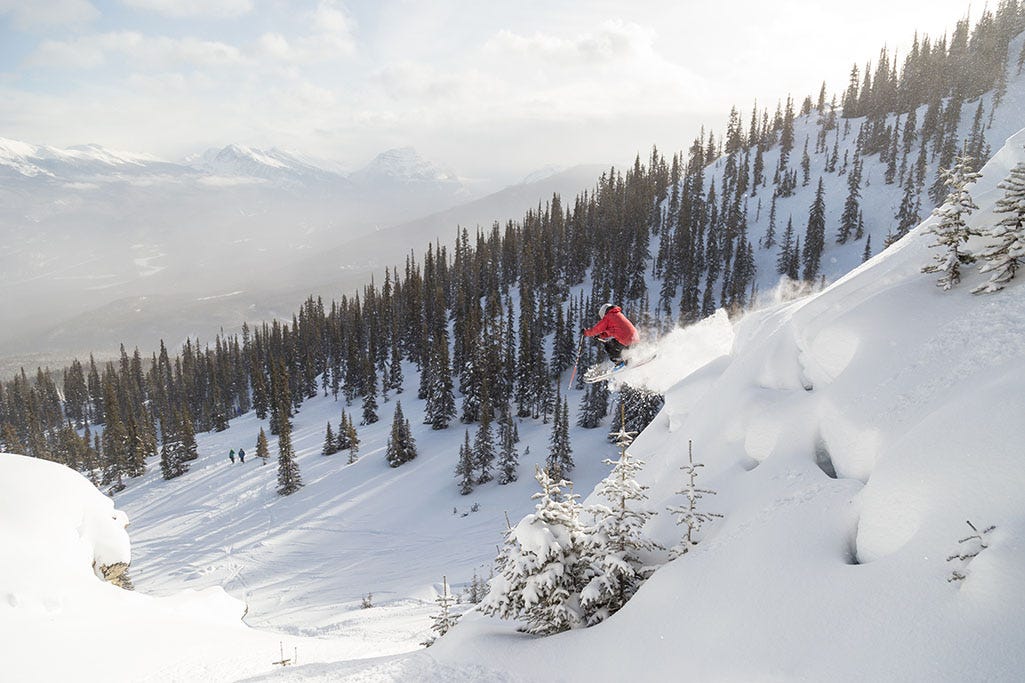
x,y
401,447
484,443
173,461
465,470
262,450
441,405
508,454
851,210
289,478
330,443
560,453
815,234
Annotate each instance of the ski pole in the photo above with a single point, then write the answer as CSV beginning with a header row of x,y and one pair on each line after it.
x,y
573,375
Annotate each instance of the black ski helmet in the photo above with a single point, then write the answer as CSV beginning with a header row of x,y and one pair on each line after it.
x,y
604,309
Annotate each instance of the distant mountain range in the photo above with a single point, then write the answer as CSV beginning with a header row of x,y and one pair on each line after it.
x,y
394,168
99,246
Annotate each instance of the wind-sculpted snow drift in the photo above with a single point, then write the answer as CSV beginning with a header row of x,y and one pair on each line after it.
x,y
60,621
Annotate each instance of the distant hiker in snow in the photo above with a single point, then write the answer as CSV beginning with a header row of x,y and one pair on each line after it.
x,y
241,455
231,456
614,331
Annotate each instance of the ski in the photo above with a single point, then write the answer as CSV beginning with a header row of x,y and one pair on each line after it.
x,y
596,374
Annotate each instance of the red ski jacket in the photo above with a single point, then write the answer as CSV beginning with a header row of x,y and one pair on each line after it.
x,y
615,324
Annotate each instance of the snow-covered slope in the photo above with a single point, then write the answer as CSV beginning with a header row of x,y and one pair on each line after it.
x,y
849,436
60,622
879,202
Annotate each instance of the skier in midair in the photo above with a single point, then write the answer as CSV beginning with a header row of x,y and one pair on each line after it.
x,y
614,331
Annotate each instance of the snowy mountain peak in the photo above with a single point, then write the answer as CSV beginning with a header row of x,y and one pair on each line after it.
x,y
240,160
403,164
42,160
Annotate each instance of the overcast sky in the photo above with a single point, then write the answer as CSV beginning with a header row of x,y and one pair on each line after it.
x,y
488,89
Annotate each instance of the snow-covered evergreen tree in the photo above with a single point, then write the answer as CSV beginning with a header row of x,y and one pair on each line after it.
x,y
541,569
289,479
351,438
370,401
173,454
617,542
190,451
262,450
952,230
508,454
640,406
484,442
815,234
441,404
464,467
594,405
560,453
330,445
342,441
401,447
1007,253
444,620
688,514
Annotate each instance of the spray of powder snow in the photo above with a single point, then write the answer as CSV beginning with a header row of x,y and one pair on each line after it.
x,y
678,353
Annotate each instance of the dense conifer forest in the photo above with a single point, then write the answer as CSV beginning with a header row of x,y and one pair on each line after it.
x,y
486,328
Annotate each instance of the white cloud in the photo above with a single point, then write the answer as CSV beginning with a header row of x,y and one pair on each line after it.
x,y
331,18
331,36
136,49
217,9
48,13
613,40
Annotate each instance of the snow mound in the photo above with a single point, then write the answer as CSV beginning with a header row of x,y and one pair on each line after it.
x,y
57,531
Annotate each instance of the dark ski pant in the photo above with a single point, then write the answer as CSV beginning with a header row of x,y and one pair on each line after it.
x,y
613,349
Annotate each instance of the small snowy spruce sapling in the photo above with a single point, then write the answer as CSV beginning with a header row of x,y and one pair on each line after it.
x,y
444,620
477,589
688,514
977,543
1007,253
617,541
952,230
541,566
